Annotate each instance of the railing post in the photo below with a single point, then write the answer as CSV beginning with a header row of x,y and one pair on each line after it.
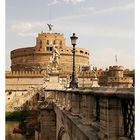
x,y
63,99
111,124
59,98
68,101
75,102
87,106
128,110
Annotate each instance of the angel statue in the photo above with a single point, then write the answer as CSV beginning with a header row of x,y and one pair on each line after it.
x,y
55,57
50,27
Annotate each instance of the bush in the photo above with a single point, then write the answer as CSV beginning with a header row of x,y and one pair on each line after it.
x,y
16,115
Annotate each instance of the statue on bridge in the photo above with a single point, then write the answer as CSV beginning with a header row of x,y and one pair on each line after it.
x,y
55,58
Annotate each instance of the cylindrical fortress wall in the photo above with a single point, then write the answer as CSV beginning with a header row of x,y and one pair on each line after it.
x,y
39,56
29,59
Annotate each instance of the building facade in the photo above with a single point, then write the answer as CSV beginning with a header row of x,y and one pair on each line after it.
x,y
114,77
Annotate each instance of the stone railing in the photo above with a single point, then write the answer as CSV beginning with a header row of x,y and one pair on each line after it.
x,y
109,110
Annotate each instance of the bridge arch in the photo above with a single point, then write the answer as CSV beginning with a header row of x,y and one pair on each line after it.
x,y
62,134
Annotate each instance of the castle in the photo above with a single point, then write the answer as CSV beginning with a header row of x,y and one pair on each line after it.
x,y
114,77
38,58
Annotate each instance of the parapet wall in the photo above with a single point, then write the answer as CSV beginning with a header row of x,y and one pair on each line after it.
x,y
116,68
22,52
120,80
25,74
99,114
87,74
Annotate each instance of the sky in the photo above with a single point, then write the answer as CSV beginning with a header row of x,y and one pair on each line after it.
x,y
104,27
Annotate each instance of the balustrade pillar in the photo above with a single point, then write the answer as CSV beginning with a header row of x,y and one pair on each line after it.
x,y
63,99
111,119
83,106
87,107
68,101
56,97
89,103
75,103
59,101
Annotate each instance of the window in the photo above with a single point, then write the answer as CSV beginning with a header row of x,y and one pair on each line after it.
x,y
50,48
60,42
47,42
10,92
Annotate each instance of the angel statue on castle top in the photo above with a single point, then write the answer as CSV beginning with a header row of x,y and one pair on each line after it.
x,y
50,27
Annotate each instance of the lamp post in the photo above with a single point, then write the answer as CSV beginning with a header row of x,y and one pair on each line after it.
x,y
73,83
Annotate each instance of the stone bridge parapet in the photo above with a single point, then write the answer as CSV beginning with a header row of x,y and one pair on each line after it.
x,y
97,114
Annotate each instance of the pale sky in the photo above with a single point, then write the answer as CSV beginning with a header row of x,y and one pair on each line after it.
x,y
104,27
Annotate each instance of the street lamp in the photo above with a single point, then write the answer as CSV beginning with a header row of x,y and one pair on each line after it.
x,y
73,83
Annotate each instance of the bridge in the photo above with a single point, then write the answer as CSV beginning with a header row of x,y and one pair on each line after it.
x,y
95,114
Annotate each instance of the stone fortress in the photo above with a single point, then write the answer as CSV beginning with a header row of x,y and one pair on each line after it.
x,y
38,57
114,77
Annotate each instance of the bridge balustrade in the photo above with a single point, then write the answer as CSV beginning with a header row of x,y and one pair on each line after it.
x,y
111,111
128,118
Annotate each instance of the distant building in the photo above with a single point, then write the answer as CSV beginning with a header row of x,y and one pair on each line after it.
x,y
114,77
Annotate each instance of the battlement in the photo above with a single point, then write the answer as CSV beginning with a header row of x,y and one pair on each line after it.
x,y
116,68
86,74
22,52
42,34
12,74
48,39
120,80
